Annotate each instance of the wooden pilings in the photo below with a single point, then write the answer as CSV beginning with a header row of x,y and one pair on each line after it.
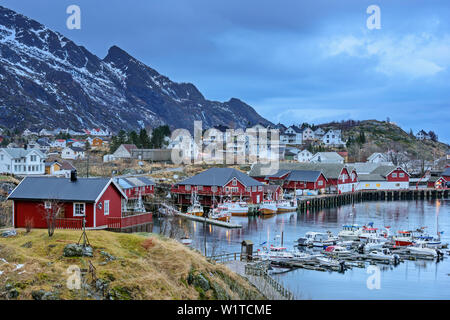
x,y
336,200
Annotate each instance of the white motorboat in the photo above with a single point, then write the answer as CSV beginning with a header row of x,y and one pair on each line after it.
x,y
287,205
195,208
420,248
237,208
317,239
350,232
383,255
275,253
371,244
220,213
268,207
186,241
337,251
404,238
330,262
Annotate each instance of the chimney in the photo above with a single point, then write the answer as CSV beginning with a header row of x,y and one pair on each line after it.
x,y
73,175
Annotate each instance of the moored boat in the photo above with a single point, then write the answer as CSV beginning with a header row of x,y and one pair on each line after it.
x,y
317,239
404,238
286,205
350,232
237,208
220,213
268,207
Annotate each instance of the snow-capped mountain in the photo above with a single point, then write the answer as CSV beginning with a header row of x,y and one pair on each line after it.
x,y
47,81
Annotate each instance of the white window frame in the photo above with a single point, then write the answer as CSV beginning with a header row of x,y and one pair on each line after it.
x,y
401,175
74,209
106,208
47,205
394,175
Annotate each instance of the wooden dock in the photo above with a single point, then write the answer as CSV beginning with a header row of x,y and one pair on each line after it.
x,y
209,221
336,200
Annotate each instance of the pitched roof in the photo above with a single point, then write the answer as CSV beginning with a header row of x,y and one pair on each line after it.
x,y
132,182
371,177
219,177
304,175
62,189
129,147
66,165
17,153
329,156
446,172
329,170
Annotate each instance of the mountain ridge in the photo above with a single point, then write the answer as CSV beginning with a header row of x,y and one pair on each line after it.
x,y
48,81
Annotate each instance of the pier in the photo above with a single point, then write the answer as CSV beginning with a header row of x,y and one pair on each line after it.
x,y
209,221
335,200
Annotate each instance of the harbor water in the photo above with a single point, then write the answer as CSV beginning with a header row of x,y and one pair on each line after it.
x,y
420,279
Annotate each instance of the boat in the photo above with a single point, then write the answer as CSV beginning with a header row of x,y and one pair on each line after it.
x,y
220,213
268,207
404,238
287,205
275,253
383,255
350,232
195,209
186,241
370,244
420,248
330,262
337,251
237,208
431,242
317,239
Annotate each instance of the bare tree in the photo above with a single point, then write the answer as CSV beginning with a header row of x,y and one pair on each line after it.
x,y
51,210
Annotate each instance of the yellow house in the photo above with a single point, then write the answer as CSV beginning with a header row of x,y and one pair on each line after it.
x,y
52,167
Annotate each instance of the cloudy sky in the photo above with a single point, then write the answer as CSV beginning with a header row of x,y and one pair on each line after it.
x,y
292,60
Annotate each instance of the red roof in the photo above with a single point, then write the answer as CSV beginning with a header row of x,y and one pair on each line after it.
x,y
129,147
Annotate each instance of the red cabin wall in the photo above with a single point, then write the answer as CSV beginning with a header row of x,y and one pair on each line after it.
x,y
405,178
115,206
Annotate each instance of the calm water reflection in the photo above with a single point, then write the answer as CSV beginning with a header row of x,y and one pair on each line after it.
x,y
409,280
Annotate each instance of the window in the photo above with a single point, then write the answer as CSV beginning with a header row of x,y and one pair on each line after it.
x,y
401,175
187,187
47,205
234,182
394,175
200,188
260,188
1,157
320,183
33,158
79,209
106,212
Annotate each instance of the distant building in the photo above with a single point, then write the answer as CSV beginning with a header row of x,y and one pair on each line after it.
x,y
378,157
384,178
124,151
292,135
21,161
73,153
333,138
422,135
307,134
327,157
304,156
134,187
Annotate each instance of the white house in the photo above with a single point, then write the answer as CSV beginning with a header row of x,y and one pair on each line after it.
x,y
292,135
72,153
307,134
319,133
124,151
304,156
21,161
378,157
422,135
58,143
332,138
79,144
327,157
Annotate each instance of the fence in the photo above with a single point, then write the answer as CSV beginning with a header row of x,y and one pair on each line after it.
x,y
260,269
129,221
69,223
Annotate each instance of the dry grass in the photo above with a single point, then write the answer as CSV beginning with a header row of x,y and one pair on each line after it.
x,y
148,267
5,213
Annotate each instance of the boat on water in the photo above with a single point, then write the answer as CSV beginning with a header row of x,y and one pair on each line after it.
x,y
268,207
195,209
370,244
220,213
330,262
237,208
420,248
287,205
350,232
404,238
186,241
337,251
317,239
430,241
384,255
275,253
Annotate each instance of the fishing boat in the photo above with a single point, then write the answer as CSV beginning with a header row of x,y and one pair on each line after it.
x,y
236,208
330,262
220,213
195,208
287,205
350,232
275,253
317,239
370,244
404,238
431,242
268,207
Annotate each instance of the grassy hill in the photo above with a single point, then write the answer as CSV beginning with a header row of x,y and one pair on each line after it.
x,y
382,136
128,266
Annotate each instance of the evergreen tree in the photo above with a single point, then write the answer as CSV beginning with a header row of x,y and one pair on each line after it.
x,y
144,140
